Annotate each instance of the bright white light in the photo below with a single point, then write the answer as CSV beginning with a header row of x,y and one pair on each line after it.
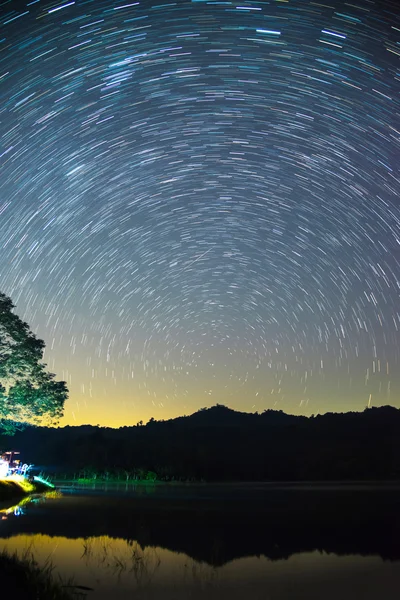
x,y
339,35
268,31
52,10
3,469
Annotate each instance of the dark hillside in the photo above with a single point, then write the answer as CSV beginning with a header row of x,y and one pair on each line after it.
x,y
221,444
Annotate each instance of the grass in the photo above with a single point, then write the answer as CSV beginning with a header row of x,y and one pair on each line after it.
x,y
23,578
10,489
17,487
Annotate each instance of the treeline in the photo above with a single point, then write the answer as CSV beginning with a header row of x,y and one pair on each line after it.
x,y
219,444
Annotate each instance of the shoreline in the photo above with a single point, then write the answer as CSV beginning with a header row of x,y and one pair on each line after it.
x,y
306,484
18,487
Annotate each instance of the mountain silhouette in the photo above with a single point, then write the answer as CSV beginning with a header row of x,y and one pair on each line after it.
x,y
220,444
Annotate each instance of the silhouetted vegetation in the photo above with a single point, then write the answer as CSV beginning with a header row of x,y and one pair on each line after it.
x,y
219,444
23,578
28,392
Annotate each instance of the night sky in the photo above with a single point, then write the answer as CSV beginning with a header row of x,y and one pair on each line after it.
x,y
199,202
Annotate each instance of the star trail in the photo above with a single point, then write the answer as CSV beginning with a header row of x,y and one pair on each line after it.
x,y
199,201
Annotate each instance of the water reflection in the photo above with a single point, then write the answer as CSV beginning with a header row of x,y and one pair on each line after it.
x,y
18,509
125,548
118,569
15,509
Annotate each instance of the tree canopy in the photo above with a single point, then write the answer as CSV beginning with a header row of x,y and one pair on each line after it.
x,y
28,392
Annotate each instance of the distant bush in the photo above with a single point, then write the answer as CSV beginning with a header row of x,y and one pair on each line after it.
x,y
114,475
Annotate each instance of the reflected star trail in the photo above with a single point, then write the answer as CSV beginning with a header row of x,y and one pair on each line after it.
x,y
199,201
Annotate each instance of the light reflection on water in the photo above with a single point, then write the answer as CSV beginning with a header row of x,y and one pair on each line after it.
x,y
119,569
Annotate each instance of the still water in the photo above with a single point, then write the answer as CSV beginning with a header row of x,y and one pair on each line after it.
x,y
216,542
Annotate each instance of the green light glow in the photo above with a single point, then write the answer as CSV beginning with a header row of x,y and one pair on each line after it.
x,y
39,479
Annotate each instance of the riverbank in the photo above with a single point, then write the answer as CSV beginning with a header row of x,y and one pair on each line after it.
x,y
17,487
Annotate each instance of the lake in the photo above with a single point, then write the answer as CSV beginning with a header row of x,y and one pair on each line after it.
x,y
227,541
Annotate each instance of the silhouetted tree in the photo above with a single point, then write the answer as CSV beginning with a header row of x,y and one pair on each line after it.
x,y
28,392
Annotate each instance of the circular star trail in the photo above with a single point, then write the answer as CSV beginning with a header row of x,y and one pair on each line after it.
x,y
199,201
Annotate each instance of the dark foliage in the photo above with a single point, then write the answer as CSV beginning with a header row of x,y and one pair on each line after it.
x,y
28,393
220,444
24,579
